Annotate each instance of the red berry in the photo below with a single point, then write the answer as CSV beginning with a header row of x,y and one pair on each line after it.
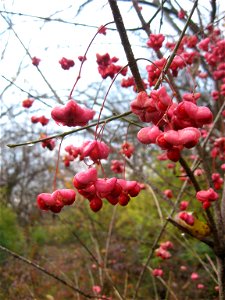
x,y
44,201
72,114
124,199
84,179
157,272
66,63
27,103
155,41
65,196
96,204
35,61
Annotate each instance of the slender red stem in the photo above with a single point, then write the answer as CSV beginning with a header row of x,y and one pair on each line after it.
x,y
84,58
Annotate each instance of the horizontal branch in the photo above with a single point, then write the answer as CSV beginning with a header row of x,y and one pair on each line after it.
x,y
62,135
48,19
43,270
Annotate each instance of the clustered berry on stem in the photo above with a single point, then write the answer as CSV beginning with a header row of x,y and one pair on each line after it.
x,y
175,125
66,63
71,114
172,126
57,200
107,67
49,144
27,103
187,217
87,182
115,191
155,41
207,197
42,120
36,61
102,30
117,166
162,251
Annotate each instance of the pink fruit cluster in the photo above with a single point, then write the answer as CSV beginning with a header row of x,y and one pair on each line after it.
x,y
157,272
27,103
183,205
178,122
194,276
49,144
117,166
218,93
66,63
107,67
35,61
71,114
183,58
57,200
162,251
102,30
127,82
191,41
72,153
95,150
214,48
127,149
180,61
188,114
207,197
217,181
187,217
218,149
112,189
198,172
168,193
181,14
155,70
43,120
155,41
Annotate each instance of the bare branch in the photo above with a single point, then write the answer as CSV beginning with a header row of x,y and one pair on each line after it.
x,y
126,45
43,270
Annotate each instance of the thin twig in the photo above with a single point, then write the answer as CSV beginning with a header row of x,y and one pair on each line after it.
x,y
213,126
109,235
48,19
189,173
84,59
212,264
40,268
28,53
156,241
85,247
170,60
165,284
156,203
58,135
22,90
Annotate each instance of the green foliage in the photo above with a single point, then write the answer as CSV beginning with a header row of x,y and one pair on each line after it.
x,y
11,234
38,235
4,192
